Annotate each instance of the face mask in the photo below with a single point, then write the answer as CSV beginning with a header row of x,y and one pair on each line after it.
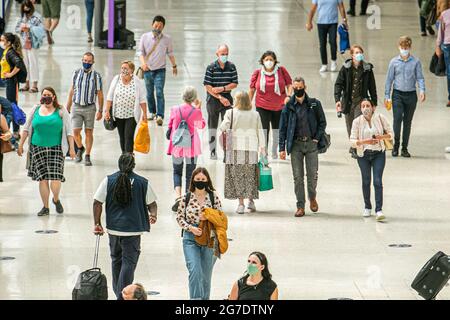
x,y
26,10
404,52
367,112
268,64
157,32
359,57
299,92
125,72
200,185
46,100
223,58
87,66
2,45
252,269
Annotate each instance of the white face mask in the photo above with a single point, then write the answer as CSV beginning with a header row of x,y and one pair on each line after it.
x,y
2,45
404,52
367,112
268,64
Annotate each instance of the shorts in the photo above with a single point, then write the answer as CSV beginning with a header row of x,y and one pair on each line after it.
x,y
84,115
51,9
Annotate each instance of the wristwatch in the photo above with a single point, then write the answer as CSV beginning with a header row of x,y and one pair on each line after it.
x,y
174,67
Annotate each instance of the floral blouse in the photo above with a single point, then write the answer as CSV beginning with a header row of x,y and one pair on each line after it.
x,y
193,210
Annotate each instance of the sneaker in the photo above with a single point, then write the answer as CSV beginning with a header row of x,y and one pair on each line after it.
x,y
380,216
240,209
159,121
58,205
447,150
423,34
405,153
80,153
323,68
367,213
87,161
151,116
251,206
44,212
90,39
333,66
213,155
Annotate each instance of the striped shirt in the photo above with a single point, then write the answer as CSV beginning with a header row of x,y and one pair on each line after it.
x,y
215,76
86,85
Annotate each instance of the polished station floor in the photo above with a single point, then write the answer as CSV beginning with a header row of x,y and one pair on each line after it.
x,y
335,253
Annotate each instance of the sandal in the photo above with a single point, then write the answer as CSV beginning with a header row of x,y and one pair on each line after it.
x,y
34,90
24,89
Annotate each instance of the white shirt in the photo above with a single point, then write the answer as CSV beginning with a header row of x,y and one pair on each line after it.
x,y
100,196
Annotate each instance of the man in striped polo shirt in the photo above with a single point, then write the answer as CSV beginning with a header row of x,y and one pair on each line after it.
x,y
220,78
86,87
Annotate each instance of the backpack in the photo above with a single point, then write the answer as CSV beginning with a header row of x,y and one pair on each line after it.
x,y
182,136
186,202
19,116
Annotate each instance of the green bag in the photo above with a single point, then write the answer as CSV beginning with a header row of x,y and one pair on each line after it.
x,y
265,177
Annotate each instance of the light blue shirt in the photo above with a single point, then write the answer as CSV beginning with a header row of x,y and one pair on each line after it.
x,y
403,75
327,11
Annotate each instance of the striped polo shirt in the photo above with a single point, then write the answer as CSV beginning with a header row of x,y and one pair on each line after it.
x,y
215,76
86,86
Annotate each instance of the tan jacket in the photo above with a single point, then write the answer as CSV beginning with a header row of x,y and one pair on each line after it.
x,y
216,222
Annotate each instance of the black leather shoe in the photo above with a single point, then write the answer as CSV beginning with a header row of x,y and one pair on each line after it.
x,y
405,153
430,30
395,152
44,212
58,205
351,13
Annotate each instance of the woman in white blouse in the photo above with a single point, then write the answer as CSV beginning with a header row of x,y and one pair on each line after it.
x,y
369,132
127,98
241,169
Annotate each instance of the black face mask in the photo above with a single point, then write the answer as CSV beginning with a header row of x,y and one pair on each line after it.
x,y
299,92
46,100
200,185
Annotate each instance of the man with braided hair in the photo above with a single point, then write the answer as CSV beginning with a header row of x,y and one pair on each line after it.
x,y
130,209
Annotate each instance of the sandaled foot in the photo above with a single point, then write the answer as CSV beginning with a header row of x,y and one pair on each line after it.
x,y
34,90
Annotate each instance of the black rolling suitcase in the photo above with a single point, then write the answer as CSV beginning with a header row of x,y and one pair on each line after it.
x,y
91,284
433,276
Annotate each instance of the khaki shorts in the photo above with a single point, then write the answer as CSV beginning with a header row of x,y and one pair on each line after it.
x,y
51,9
84,115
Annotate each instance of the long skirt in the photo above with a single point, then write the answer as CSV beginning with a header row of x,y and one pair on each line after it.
x,y
242,176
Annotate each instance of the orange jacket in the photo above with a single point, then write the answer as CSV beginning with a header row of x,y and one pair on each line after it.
x,y
217,222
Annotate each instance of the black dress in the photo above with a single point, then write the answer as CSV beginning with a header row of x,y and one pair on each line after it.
x,y
261,291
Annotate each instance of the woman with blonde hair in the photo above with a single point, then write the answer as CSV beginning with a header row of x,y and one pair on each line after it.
x,y
247,139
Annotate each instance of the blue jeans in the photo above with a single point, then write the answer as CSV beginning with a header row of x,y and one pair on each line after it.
x,y
372,160
155,79
446,49
191,163
89,14
125,253
199,262
403,106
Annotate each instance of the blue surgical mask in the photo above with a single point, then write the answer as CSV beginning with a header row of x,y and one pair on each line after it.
x,y
223,59
404,52
359,57
87,66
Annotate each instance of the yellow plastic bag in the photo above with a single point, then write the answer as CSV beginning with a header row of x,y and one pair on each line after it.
x,y
142,139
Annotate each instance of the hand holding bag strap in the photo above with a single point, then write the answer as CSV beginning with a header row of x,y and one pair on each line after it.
x,y
147,56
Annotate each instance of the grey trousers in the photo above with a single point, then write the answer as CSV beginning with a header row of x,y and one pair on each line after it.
x,y
304,152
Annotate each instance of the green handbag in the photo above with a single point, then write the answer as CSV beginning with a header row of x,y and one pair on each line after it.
x,y
265,177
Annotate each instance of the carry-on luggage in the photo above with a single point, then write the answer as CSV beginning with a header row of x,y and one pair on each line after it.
x,y
91,284
433,276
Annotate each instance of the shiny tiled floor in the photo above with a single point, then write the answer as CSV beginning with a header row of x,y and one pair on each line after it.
x,y
335,253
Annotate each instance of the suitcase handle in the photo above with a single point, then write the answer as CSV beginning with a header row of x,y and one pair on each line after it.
x,y
97,245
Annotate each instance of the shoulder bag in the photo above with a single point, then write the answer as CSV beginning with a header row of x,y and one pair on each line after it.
x,y
140,71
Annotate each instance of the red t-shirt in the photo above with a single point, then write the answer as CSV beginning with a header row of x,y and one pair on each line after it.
x,y
269,100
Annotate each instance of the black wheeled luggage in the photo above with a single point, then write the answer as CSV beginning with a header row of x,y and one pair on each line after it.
x,y
91,284
433,276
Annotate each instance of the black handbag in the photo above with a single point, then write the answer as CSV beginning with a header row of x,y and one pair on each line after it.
x,y
111,123
324,143
437,65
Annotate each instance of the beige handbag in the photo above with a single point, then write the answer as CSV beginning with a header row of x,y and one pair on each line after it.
x,y
140,71
387,142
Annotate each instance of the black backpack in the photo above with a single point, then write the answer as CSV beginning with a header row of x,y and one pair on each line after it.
x,y
91,284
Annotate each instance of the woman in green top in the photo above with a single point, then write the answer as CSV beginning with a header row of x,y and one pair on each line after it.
x,y
50,131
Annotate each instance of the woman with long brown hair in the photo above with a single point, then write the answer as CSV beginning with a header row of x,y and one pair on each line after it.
x,y
50,131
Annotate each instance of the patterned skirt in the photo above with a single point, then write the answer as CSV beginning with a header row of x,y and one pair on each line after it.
x,y
46,163
242,176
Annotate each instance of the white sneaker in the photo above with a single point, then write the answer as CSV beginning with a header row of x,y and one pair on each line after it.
x,y
251,206
151,116
380,216
240,209
159,121
333,66
447,150
367,213
323,68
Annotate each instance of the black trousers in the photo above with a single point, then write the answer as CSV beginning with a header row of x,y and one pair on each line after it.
x,y
270,118
125,253
423,21
364,5
126,128
11,95
215,110
1,167
403,106
329,30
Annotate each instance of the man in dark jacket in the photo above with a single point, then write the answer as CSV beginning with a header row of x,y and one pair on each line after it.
x,y
129,198
302,129
354,83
